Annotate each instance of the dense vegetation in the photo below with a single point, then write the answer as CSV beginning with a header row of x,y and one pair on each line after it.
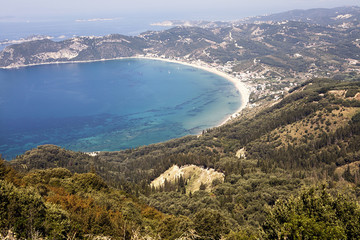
x,y
58,204
314,214
310,137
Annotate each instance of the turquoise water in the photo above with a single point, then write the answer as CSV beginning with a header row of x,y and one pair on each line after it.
x,y
108,106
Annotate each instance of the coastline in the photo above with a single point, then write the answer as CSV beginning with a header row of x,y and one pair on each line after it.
x,y
240,86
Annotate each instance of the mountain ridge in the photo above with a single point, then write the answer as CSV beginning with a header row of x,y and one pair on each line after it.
x,y
319,16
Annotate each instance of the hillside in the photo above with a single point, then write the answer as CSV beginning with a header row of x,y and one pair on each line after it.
x,y
58,204
310,137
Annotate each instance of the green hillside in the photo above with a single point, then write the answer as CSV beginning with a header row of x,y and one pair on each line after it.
x,y
297,177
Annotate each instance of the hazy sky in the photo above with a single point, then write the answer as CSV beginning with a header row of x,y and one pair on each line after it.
x,y
162,9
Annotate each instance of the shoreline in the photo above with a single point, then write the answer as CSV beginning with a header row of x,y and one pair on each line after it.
x,y
240,86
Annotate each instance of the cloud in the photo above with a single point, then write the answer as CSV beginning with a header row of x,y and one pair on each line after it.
x,y
96,19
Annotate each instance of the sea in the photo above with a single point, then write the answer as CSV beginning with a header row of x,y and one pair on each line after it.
x,y
109,105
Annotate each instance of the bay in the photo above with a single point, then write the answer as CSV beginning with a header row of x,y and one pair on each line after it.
x,y
109,105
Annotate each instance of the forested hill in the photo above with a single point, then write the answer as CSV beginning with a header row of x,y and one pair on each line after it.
x,y
309,138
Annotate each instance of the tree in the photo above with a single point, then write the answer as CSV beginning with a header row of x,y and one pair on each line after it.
x,y
21,210
174,227
202,186
3,169
57,223
315,214
210,224
348,176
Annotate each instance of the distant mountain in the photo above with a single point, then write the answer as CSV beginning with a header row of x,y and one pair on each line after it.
x,y
321,16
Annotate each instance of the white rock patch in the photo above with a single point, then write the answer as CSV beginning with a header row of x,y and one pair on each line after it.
x,y
63,53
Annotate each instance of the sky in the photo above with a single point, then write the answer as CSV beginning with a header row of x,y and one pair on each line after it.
x,y
17,10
